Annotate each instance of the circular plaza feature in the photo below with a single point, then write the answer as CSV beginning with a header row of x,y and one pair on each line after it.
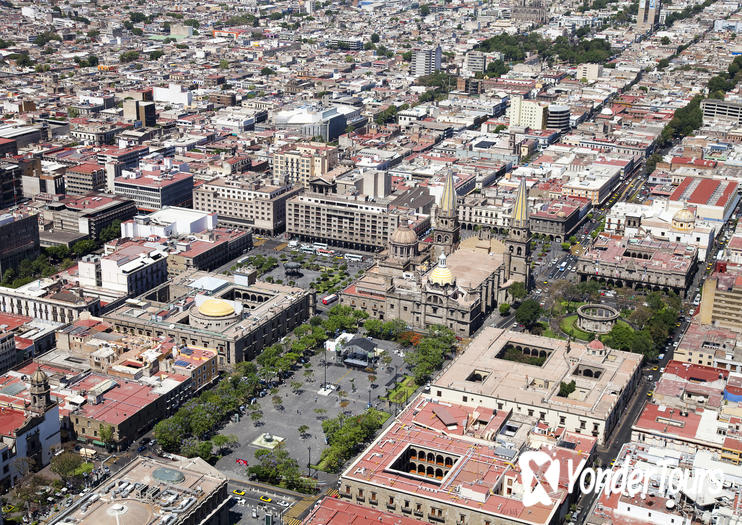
x,y
596,318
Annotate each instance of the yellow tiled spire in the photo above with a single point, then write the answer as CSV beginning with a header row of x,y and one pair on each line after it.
x,y
519,218
448,199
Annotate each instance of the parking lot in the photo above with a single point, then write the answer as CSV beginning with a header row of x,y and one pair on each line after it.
x,y
355,389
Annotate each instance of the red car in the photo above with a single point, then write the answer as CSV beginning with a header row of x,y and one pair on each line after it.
x,y
241,461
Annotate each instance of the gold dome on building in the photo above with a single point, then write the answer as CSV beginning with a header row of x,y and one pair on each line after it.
x,y
404,235
216,308
441,274
684,219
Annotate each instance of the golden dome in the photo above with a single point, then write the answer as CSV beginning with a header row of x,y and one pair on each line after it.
x,y
684,215
404,235
216,308
441,274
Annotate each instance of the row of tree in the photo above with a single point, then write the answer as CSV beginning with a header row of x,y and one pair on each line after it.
x,y
345,435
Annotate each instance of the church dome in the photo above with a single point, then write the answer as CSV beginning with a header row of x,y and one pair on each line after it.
x,y
684,215
684,219
441,274
404,235
216,308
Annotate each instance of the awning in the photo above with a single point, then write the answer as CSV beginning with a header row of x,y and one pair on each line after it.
x,y
356,362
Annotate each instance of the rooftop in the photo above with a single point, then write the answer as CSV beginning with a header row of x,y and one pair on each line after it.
x,y
538,385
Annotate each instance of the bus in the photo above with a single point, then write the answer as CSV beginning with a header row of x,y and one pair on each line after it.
x,y
329,299
308,249
320,245
353,257
563,266
324,252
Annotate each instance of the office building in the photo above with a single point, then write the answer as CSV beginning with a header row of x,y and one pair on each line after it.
x,y
19,240
721,300
144,112
589,72
557,117
347,221
7,350
130,270
649,15
300,163
527,113
69,219
721,110
242,204
85,178
154,192
11,186
425,61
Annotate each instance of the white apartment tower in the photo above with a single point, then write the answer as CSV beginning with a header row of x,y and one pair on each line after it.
x,y
425,61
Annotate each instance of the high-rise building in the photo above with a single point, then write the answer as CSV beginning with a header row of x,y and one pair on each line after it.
x,y
425,61
300,164
527,113
141,111
19,239
649,15
557,117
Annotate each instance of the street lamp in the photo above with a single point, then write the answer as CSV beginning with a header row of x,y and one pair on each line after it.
x,y
309,461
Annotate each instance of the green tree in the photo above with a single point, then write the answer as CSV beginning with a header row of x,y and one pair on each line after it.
x,y
223,442
518,291
169,433
504,308
565,389
107,434
192,447
192,22
128,56
65,464
424,10
266,71
303,430
528,313
223,64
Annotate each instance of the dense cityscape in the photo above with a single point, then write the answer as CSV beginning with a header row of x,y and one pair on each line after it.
x,y
371,261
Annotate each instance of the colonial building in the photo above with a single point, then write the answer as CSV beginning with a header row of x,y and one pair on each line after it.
x,y
467,282
30,428
639,263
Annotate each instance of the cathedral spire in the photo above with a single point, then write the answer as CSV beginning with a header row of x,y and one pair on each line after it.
x,y
519,219
448,199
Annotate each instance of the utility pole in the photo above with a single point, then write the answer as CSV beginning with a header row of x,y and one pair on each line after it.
x,y
309,461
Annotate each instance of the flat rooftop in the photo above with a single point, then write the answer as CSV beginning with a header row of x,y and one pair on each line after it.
x,y
481,370
183,484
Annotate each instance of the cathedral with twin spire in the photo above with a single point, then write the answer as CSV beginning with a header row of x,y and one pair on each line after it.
x,y
446,280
